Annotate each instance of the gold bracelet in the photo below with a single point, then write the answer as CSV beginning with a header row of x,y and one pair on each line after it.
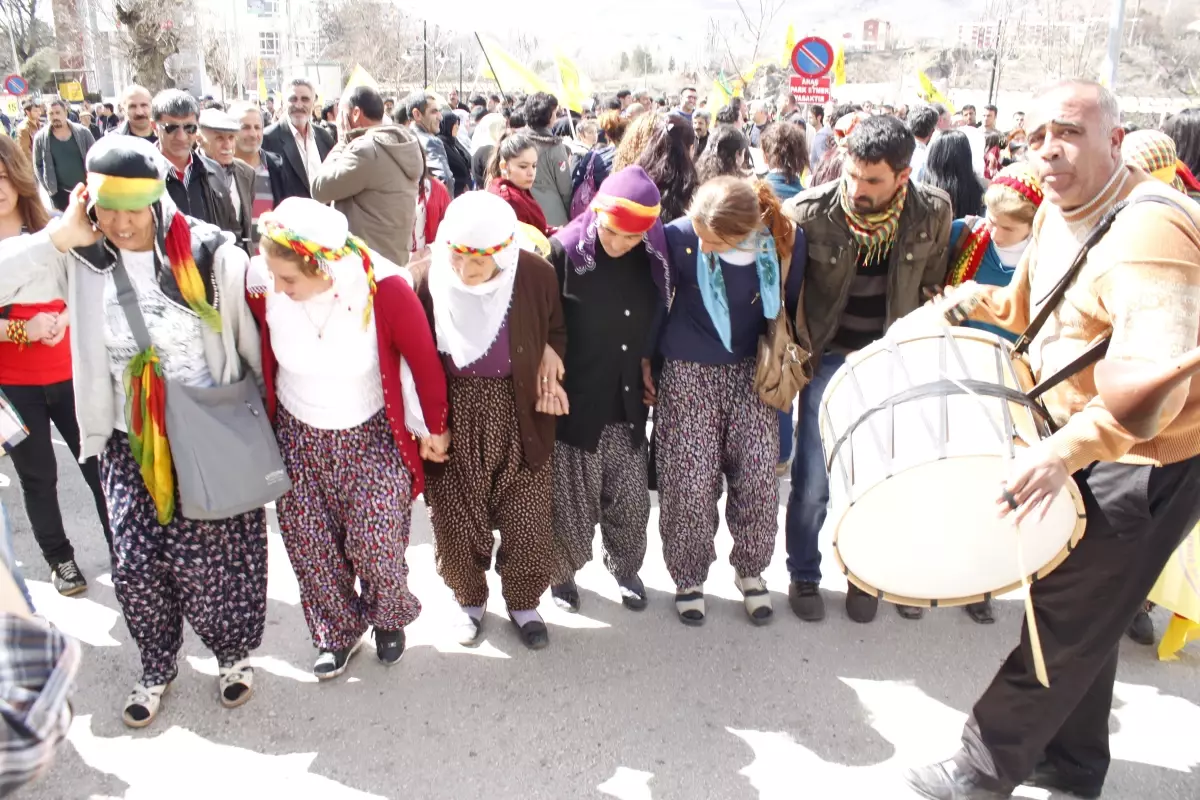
x,y
17,333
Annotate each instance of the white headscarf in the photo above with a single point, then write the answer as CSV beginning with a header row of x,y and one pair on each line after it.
x,y
488,131
468,318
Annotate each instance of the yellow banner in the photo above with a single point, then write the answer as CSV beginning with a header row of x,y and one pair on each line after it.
x,y
839,64
360,77
262,85
932,94
71,91
789,44
570,81
509,72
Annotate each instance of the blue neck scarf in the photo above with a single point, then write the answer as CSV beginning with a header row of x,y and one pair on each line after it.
x,y
712,283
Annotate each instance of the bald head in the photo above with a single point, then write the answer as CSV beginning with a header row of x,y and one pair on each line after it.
x,y
1074,140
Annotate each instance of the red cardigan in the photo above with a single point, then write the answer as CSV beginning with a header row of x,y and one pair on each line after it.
x,y
403,330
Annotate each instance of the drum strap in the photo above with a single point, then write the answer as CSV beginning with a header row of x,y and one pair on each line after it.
x,y
1054,297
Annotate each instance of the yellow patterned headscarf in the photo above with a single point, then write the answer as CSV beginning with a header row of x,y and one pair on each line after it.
x,y
1154,152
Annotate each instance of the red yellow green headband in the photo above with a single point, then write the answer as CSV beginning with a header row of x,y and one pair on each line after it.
x,y
319,256
462,249
124,194
625,215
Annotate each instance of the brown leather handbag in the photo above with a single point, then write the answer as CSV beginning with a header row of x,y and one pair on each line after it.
x,y
782,367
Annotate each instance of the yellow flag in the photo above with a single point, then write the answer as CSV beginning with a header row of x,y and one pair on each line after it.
x,y
509,72
839,64
570,82
789,44
360,77
932,94
262,84
71,91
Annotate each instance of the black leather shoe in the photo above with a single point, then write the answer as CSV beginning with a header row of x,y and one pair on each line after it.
x,y
566,595
805,599
910,612
981,612
633,593
1047,776
1141,630
860,606
533,633
946,782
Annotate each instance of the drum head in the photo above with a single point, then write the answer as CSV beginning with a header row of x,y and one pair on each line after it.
x,y
931,535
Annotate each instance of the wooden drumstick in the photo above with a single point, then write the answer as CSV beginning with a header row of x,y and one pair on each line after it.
x,y
1137,392
1035,639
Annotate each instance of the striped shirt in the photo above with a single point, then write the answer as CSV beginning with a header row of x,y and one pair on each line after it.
x,y
865,316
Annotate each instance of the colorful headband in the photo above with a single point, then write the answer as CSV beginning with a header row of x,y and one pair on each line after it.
x,y
625,215
117,193
320,256
462,249
1030,191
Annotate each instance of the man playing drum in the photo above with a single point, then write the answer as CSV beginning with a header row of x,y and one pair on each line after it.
x,y
1141,284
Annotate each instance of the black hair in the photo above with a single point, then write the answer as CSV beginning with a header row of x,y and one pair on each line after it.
x,y
940,109
368,101
539,110
400,115
111,108
667,159
726,153
830,167
493,98
730,114
949,167
516,118
964,108
991,108
1184,128
923,121
446,128
818,112
993,139
479,113
511,145
688,89
785,148
416,101
477,100
611,103
882,138
328,108
621,95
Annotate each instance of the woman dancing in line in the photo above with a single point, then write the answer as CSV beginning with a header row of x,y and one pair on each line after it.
x,y
726,257
497,319
358,397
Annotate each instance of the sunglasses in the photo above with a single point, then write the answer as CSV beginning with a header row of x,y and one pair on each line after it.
x,y
189,128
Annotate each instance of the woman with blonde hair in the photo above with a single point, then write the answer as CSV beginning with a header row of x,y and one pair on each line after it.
x,y
35,374
358,398
637,139
729,256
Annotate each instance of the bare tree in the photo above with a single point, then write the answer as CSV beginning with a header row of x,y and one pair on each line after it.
x,y
758,18
153,32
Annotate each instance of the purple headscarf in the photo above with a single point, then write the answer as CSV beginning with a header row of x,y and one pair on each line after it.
x,y
578,237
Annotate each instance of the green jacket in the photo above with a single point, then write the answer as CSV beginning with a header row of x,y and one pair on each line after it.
x,y
918,258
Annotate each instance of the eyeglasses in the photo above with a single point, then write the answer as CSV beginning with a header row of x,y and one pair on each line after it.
x,y
189,128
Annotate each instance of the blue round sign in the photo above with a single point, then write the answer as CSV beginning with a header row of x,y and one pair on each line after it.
x,y
15,84
812,57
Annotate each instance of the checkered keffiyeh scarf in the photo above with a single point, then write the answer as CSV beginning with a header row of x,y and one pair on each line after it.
x,y
874,233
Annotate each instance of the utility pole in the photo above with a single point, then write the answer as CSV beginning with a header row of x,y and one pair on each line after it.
x,y
425,47
1116,24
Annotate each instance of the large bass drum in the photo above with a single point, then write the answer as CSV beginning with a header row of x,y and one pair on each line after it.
x,y
918,432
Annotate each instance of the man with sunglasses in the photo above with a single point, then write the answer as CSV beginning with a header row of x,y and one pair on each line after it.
x,y
194,183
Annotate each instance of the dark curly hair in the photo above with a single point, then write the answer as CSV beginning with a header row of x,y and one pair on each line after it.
x,y
727,153
1184,128
539,109
785,149
668,162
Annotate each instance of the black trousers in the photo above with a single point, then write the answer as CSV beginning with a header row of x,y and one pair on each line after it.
x,y
61,199
1137,517
37,468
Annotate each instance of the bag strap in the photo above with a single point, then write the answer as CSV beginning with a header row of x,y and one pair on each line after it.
x,y
1081,362
1055,296
127,297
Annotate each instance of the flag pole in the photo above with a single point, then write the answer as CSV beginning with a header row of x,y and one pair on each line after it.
x,y
488,58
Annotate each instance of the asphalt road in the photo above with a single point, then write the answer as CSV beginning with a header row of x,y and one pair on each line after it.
x,y
621,705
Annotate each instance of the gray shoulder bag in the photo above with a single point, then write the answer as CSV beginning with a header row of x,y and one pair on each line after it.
x,y
223,450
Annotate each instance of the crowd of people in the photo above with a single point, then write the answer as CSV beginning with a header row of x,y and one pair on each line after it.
x,y
486,303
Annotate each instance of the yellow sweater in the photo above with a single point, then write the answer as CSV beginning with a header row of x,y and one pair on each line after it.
x,y
1141,282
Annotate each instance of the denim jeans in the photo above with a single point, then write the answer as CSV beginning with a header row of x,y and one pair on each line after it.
x,y
786,435
809,499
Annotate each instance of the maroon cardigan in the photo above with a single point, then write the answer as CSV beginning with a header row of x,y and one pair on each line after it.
x,y
403,330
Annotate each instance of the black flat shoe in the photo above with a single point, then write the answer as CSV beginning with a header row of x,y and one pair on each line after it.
x,y
1047,776
981,612
533,633
389,646
566,596
633,593
910,612
1141,630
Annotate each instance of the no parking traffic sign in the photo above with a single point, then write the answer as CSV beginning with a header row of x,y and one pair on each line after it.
x,y
812,57
15,84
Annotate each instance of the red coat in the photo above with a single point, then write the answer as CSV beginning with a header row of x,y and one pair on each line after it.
x,y
403,330
435,209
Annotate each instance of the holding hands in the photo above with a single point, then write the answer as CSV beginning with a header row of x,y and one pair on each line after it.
x,y
552,398
436,448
